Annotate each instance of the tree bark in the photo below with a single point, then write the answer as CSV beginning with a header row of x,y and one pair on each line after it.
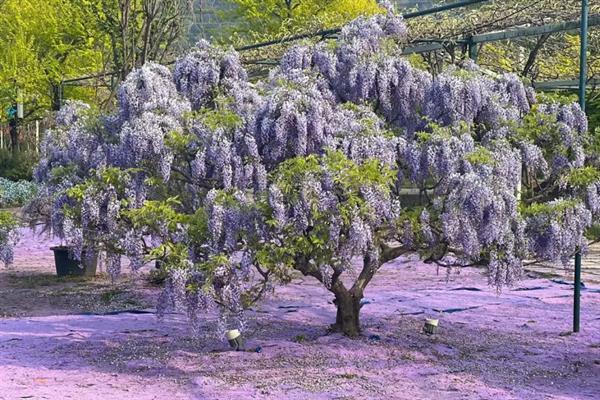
x,y
14,134
347,301
56,96
533,54
347,320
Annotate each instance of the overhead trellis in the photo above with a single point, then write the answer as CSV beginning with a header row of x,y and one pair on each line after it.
x,y
508,34
329,32
323,34
259,65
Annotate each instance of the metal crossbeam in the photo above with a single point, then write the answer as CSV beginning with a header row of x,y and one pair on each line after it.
x,y
445,7
564,84
568,26
423,48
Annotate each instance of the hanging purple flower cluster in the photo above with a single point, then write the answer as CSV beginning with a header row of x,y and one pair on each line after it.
x,y
361,134
227,219
570,116
479,216
533,159
143,143
564,137
437,155
150,108
227,156
150,89
294,120
364,66
557,231
460,95
207,72
75,142
592,198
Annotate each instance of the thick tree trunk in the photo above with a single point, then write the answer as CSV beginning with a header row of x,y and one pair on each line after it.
x,y
56,96
347,320
14,135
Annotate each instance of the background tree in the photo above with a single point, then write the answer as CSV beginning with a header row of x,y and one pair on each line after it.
x,y
42,43
251,20
47,42
139,31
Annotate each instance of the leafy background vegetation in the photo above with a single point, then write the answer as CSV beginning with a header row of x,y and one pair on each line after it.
x,y
48,41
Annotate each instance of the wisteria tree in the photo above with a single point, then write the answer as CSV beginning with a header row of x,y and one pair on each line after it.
x,y
236,186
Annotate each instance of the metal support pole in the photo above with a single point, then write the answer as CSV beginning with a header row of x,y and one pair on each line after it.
x,y
582,84
37,135
583,53
576,302
473,49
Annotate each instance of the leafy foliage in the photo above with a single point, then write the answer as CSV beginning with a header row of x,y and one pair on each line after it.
x,y
17,165
44,42
8,236
15,194
256,20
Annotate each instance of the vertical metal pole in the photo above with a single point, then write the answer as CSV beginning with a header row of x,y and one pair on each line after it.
x,y
583,53
61,95
576,302
582,85
37,135
473,50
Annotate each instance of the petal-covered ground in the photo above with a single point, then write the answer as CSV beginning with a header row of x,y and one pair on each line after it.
x,y
512,345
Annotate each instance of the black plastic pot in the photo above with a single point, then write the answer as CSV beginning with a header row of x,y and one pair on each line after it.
x,y
66,265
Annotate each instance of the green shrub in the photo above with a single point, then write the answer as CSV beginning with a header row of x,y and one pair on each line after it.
x,y
158,276
15,194
17,166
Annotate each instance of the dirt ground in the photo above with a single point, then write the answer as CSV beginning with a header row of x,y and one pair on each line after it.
x,y
92,339
30,286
